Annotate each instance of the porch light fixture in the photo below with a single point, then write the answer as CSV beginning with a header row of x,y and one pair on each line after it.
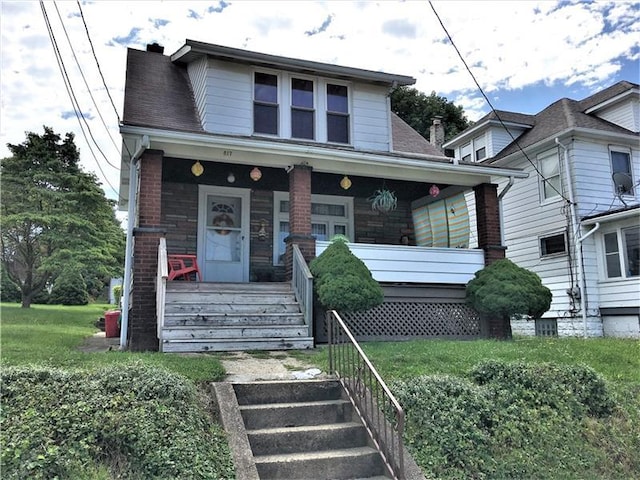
x,y
262,233
255,174
434,191
231,177
197,169
345,183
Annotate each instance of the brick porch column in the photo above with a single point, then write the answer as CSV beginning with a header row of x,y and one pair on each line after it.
x,y
488,219
299,216
142,314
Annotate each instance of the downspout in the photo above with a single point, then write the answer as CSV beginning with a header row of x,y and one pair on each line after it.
x,y
128,259
500,209
575,231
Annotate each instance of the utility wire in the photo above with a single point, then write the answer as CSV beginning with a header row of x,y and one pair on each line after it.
x,y
69,88
86,84
535,167
86,28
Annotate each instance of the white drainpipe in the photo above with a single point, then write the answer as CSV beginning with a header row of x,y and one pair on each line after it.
x,y
575,224
128,259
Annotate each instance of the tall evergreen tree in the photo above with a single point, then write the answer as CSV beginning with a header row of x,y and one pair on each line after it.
x,y
419,110
54,215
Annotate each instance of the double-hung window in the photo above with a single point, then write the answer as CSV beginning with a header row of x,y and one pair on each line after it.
x,y
302,109
622,252
337,113
265,103
550,183
621,171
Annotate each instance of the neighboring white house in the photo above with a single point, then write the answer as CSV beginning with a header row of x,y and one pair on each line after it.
x,y
575,221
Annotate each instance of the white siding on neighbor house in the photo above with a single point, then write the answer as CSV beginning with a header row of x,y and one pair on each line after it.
x,y
592,173
370,118
470,198
498,138
393,263
625,114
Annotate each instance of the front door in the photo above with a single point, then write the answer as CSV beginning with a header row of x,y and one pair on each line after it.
x,y
223,234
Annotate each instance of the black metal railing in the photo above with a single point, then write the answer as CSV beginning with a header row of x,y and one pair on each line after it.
x,y
378,409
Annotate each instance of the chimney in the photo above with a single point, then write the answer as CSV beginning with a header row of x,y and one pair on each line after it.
x,y
436,133
155,48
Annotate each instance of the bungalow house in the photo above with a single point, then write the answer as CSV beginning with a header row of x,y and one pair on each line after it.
x,y
575,221
248,163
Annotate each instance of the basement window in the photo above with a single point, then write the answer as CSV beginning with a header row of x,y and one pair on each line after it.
x,y
546,327
553,245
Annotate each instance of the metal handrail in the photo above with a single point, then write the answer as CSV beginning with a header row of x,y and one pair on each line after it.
x,y
379,410
161,286
302,284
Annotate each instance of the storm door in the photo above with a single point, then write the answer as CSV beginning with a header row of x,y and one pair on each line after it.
x,y
223,234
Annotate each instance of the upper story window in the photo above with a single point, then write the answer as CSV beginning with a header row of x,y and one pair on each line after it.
x,y
621,171
622,253
549,167
302,109
466,153
337,113
481,154
265,103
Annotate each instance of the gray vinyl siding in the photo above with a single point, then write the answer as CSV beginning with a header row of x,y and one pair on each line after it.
x,y
498,139
370,118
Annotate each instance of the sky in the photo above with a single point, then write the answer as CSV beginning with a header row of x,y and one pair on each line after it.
x,y
524,55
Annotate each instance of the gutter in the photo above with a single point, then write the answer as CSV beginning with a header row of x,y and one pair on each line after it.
x,y
128,259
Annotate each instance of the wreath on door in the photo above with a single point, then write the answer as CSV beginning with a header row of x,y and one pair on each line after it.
x,y
220,221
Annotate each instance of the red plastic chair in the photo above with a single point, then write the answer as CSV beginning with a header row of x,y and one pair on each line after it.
x,y
182,267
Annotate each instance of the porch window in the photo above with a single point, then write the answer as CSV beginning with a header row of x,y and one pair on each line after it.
x,y
302,110
549,167
337,113
622,253
621,171
265,103
330,215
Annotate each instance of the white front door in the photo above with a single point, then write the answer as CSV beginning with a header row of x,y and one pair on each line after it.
x,y
223,234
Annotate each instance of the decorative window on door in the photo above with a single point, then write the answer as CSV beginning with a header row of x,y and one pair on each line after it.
x,y
223,230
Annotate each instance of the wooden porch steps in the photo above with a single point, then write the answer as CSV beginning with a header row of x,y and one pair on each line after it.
x,y
210,317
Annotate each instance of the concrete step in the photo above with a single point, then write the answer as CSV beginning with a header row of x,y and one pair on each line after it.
x,y
315,438
237,332
259,393
235,344
238,298
206,306
273,415
349,463
228,287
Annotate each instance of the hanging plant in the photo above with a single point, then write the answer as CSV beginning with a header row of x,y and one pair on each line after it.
x,y
383,201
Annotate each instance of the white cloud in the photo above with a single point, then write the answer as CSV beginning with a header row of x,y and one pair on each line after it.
x,y
509,46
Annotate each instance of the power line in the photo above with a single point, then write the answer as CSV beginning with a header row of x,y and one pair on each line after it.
x,y
535,167
64,29
69,88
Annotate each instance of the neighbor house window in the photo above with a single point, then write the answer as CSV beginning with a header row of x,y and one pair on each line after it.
x,y
621,171
330,215
622,253
553,245
549,166
465,153
337,113
302,110
481,153
479,147
265,103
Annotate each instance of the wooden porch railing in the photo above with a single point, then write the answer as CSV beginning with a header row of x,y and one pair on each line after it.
x,y
302,284
161,285
377,407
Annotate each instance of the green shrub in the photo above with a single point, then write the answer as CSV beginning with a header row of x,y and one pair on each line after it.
x,y
117,293
9,291
69,289
133,421
342,281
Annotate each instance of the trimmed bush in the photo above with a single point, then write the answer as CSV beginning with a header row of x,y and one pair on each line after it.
x,y
69,289
129,421
342,281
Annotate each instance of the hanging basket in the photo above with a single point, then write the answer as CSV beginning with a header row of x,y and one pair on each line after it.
x,y
383,201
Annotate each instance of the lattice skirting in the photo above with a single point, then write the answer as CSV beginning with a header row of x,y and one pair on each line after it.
x,y
405,320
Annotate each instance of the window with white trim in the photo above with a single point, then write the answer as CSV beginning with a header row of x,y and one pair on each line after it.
x,y
622,252
465,153
337,113
330,215
265,103
550,182
302,109
553,245
621,170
